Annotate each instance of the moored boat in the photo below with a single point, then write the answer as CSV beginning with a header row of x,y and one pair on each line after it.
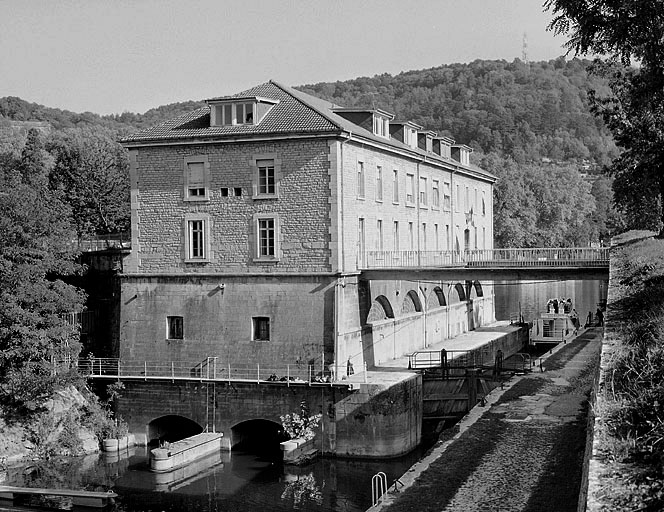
x,y
559,324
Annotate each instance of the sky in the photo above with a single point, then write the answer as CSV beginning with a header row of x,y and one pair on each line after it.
x,y
114,56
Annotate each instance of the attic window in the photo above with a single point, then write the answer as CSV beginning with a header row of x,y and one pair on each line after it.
x,y
381,126
239,111
229,114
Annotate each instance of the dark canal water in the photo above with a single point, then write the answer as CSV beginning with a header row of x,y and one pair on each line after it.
x,y
530,297
243,482
224,482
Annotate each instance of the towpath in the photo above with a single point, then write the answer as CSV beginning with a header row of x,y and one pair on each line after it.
x,y
523,451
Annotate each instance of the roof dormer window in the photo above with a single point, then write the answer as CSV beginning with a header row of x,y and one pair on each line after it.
x,y
381,126
238,111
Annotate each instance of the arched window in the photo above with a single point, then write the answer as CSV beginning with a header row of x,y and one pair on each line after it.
x,y
436,298
380,309
411,303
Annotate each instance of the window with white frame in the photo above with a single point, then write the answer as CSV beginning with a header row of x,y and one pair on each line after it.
x,y
483,202
410,189
228,114
435,194
267,174
447,237
260,327
360,180
467,202
267,237
379,183
381,126
411,237
379,235
447,196
174,328
457,203
435,237
197,238
395,186
423,191
196,178
395,236
424,236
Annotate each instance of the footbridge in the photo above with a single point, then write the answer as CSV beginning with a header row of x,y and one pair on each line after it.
x,y
489,264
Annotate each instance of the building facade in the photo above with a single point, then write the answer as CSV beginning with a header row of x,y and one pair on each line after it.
x,y
254,218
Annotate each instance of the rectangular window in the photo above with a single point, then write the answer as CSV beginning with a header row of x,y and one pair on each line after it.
x,y
423,191
196,239
267,182
435,194
435,235
410,188
379,183
395,236
447,237
174,328
196,181
458,198
244,113
379,235
395,186
360,180
424,236
483,202
475,202
266,238
467,203
447,196
483,238
411,237
261,328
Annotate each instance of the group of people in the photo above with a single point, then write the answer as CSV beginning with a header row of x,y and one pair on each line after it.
x,y
559,306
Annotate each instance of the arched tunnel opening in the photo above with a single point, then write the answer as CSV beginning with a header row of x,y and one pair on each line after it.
x,y
260,437
171,428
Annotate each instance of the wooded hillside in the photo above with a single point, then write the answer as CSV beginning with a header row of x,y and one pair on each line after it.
x,y
529,124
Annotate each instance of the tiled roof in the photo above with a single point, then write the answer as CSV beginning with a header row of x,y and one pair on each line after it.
x,y
290,115
295,113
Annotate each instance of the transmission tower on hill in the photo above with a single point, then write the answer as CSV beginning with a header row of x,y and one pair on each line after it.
x,y
524,52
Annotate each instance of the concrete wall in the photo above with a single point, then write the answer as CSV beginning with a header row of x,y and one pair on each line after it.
x,y
374,421
218,322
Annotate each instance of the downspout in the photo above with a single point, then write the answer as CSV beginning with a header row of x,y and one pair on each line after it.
x,y
340,284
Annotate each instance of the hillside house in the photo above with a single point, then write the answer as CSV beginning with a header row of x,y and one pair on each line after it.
x,y
254,217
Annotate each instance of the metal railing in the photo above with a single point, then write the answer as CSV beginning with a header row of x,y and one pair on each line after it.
x,y
452,358
210,368
542,257
104,242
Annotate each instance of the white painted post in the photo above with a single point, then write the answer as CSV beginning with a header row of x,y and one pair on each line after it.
x,y
229,373
365,372
145,370
172,370
258,372
287,375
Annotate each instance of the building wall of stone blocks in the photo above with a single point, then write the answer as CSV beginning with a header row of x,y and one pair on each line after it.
x,y
159,210
218,322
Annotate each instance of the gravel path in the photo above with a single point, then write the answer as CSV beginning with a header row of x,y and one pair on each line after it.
x,y
523,451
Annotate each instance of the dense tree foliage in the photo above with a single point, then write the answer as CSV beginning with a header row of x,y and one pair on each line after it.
x,y
629,36
92,172
35,253
523,111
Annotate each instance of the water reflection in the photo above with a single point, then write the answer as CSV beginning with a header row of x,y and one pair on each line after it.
x,y
221,482
530,297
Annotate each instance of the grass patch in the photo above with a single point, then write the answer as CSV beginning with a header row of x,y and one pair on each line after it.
x,y
632,410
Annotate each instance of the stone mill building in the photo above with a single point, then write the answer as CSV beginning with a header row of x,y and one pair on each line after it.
x,y
256,218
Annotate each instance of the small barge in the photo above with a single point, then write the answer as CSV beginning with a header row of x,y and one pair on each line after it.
x,y
185,451
559,324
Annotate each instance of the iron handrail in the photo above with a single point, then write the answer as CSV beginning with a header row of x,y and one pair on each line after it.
x,y
534,257
208,369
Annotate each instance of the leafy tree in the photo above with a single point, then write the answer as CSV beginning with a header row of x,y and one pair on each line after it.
x,y
35,247
630,37
92,171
